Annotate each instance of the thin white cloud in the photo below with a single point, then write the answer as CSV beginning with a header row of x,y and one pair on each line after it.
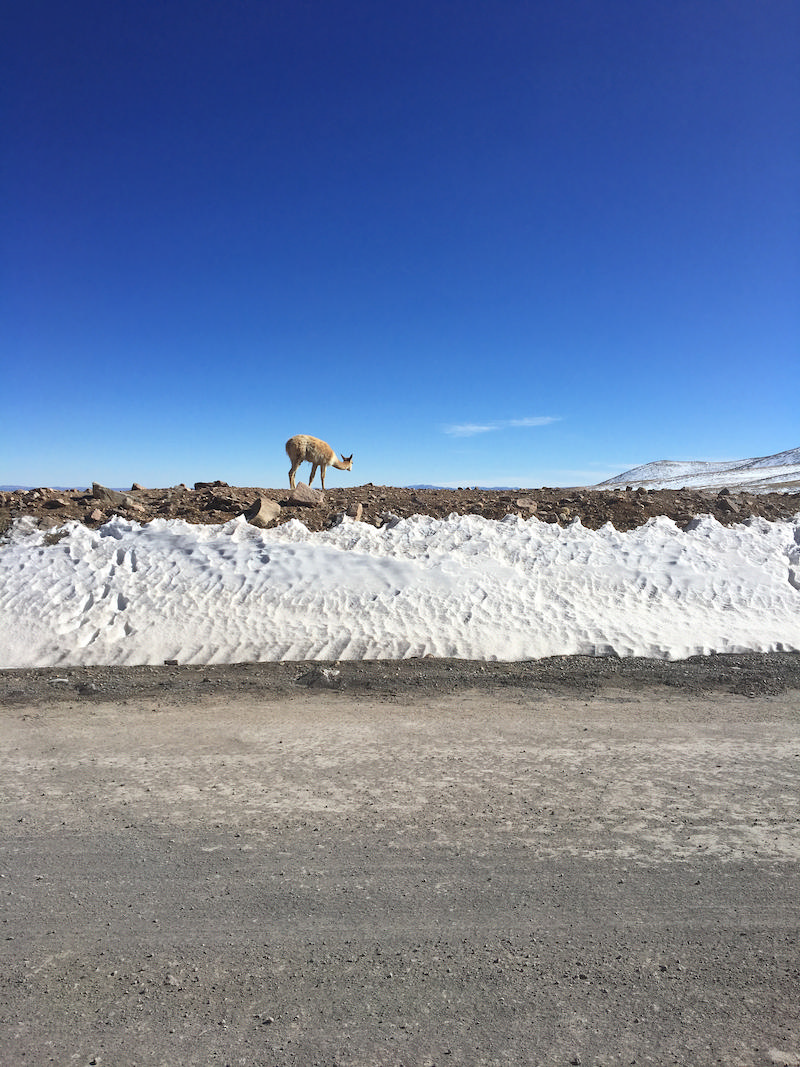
x,y
467,429
470,429
535,420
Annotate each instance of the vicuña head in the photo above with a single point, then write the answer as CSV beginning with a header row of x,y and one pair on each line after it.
x,y
302,448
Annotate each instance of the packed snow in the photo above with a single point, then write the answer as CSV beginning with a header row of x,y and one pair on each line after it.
x,y
464,587
762,475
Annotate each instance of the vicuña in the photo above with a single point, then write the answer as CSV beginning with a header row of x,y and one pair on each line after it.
x,y
304,449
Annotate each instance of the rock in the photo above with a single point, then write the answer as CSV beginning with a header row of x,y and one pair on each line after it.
x,y
321,677
56,502
355,511
527,503
262,512
211,485
724,503
389,520
117,499
220,503
304,496
111,496
97,515
340,516
136,488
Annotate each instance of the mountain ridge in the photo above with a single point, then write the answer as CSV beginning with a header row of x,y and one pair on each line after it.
x,y
761,473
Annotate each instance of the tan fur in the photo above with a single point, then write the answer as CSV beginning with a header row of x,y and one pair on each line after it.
x,y
304,449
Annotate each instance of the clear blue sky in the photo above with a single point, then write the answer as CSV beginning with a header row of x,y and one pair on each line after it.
x,y
510,243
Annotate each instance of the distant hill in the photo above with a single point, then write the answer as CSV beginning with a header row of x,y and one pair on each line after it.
x,y
488,488
763,474
25,488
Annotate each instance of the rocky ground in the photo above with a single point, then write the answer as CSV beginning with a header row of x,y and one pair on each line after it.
x,y
217,502
748,674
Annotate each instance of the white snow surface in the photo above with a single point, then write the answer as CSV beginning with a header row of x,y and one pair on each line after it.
x,y
464,587
763,474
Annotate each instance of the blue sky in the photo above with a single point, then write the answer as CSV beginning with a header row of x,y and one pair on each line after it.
x,y
499,244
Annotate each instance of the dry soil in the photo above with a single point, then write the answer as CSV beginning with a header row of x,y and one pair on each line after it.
x,y
563,862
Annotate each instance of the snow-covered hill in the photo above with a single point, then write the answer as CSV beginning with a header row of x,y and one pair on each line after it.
x,y
765,474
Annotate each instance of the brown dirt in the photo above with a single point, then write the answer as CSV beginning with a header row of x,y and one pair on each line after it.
x,y
218,502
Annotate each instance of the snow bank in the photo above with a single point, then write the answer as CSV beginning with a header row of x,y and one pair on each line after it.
x,y
464,587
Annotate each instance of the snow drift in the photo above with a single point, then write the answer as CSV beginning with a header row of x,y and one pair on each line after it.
x,y
462,587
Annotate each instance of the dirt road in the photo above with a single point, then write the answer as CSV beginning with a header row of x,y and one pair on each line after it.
x,y
507,873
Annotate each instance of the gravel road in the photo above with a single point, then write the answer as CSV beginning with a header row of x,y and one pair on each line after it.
x,y
563,862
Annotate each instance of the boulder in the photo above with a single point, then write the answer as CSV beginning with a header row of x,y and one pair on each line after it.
x,y
304,496
725,504
110,496
262,512
527,503
115,498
